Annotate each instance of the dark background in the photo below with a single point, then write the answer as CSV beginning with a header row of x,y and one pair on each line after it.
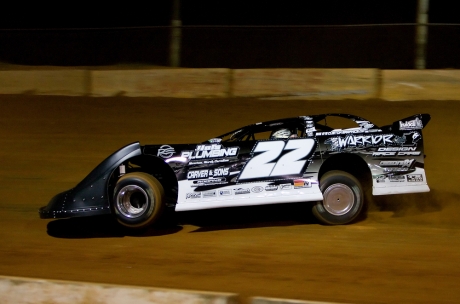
x,y
231,34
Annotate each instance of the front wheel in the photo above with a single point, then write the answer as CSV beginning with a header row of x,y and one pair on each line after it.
x,y
343,198
138,200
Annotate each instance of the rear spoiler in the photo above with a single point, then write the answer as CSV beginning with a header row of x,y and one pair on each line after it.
x,y
414,122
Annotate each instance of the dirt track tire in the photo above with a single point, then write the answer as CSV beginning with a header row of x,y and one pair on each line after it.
x,y
343,198
138,200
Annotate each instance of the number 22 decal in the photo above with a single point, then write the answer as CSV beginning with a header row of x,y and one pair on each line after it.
x,y
288,164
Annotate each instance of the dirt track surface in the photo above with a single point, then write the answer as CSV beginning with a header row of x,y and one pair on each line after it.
x,y
407,249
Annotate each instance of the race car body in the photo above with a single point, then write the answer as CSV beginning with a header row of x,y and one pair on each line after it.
x,y
300,159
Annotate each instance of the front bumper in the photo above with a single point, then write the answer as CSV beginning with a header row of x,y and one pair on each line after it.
x,y
65,205
90,196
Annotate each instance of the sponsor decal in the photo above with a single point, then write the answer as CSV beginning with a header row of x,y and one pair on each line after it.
x,y
210,151
215,140
339,143
208,182
302,183
380,179
241,191
195,163
364,127
215,161
197,174
393,151
165,151
225,192
285,186
257,189
220,172
397,178
409,153
207,194
200,174
416,137
397,169
275,124
193,195
407,163
397,165
379,154
400,140
398,149
415,124
271,187
413,178
346,131
309,126
364,124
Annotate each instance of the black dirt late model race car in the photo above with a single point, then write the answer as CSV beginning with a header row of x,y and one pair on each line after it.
x,y
300,159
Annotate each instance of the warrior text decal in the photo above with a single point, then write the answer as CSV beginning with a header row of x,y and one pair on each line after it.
x,y
273,162
351,141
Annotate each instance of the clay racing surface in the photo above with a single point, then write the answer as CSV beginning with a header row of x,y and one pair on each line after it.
x,y
406,250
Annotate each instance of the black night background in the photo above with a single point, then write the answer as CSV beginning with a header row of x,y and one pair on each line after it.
x,y
231,34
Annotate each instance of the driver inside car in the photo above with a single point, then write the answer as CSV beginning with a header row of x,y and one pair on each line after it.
x,y
283,134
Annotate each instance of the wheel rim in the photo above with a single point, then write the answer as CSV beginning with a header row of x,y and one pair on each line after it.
x,y
132,201
338,199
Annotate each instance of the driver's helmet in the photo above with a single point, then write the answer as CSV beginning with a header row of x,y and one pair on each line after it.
x,y
281,133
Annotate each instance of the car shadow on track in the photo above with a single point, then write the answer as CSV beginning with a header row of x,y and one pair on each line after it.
x,y
101,227
248,217
204,220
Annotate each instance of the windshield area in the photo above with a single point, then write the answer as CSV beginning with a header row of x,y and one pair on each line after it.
x,y
263,132
237,135
296,127
345,123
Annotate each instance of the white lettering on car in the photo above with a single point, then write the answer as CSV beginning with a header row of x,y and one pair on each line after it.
x,y
262,165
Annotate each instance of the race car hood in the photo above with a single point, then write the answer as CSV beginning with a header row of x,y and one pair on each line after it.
x,y
90,195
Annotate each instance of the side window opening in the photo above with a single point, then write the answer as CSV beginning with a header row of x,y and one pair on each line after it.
x,y
338,123
343,124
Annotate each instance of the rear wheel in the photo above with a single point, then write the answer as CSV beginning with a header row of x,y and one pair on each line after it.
x,y
343,198
138,200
